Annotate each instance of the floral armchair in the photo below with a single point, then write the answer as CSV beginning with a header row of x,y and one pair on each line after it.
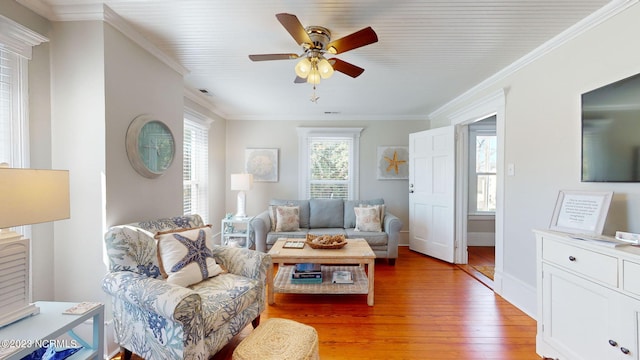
x,y
157,319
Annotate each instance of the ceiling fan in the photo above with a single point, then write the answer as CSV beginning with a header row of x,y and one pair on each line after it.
x,y
316,43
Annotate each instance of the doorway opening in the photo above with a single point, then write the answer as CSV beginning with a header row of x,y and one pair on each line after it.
x,y
475,228
481,180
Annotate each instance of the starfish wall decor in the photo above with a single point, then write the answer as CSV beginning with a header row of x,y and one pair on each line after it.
x,y
393,162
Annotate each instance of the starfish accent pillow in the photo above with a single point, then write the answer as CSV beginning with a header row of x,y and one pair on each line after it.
x,y
186,256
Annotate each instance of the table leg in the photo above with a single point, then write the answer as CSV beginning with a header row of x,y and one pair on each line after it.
x,y
370,273
270,275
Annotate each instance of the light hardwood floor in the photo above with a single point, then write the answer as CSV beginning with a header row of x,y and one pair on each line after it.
x,y
480,256
424,309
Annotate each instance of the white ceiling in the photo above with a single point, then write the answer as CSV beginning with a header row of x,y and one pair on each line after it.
x,y
429,51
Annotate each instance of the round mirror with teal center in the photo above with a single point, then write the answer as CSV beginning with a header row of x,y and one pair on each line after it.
x,y
150,146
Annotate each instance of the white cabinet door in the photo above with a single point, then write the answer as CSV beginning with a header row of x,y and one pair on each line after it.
x,y
432,192
579,316
628,343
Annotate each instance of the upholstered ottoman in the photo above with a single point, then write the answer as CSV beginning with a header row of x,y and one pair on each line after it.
x,y
279,339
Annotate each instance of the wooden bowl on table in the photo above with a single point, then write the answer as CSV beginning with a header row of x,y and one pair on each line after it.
x,y
326,241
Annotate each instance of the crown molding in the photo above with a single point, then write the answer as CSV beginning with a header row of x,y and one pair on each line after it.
x,y
98,11
17,38
606,12
200,99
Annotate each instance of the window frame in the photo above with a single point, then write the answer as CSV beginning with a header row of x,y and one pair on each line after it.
x,y
203,123
18,41
476,130
306,134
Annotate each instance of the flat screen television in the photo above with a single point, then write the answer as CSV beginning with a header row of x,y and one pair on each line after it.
x,y
611,132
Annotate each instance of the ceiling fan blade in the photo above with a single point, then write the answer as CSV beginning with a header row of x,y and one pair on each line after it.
x,y
295,28
265,57
346,68
299,80
358,39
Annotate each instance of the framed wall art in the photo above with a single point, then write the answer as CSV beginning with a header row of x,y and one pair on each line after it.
x,y
393,162
582,212
262,163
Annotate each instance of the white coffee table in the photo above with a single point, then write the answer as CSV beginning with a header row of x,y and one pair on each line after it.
x,y
352,257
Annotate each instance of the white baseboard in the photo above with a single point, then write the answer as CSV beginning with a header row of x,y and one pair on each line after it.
x,y
404,238
518,293
111,348
481,239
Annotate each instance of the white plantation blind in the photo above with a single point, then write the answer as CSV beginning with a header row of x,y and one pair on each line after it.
x,y
195,169
16,42
328,163
11,122
329,168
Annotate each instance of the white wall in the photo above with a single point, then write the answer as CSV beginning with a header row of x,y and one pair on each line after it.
x,y
283,135
78,144
542,139
138,83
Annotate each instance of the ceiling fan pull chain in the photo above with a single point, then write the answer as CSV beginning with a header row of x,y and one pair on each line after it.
x,y
314,98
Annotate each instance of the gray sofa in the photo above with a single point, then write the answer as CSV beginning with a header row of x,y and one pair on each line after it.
x,y
330,216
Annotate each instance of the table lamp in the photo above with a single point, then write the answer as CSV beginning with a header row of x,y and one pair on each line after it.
x,y
28,196
242,182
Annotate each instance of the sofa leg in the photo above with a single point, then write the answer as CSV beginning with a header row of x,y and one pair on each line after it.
x,y
392,262
255,322
126,354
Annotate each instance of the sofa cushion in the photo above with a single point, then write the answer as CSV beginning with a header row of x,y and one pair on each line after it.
x,y
368,218
326,213
349,213
224,297
273,236
186,256
374,238
328,231
302,204
287,218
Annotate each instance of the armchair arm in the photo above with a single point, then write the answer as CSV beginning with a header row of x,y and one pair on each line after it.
x,y
261,225
153,295
249,263
392,226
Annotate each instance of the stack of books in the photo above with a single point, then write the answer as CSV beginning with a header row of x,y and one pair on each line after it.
x,y
306,273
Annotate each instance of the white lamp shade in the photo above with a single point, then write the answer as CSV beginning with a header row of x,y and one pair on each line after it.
x,y
242,182
30,196
303,67
314,77
325,69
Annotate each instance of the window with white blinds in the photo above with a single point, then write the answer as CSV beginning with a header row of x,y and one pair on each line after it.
x,y
328,163
329,167
195,169
13,120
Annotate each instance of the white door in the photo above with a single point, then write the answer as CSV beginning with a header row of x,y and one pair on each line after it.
x,y
432,192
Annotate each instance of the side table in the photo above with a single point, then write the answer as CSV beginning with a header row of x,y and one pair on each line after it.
x,y
236,232
24,336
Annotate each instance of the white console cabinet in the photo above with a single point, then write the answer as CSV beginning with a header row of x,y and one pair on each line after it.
x,y
588,299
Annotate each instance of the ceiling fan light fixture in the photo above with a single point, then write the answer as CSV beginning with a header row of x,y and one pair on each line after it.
x,y
303,68
314,76
325,69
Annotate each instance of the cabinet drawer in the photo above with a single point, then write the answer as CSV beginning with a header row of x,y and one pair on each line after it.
x,y
630,280
597,266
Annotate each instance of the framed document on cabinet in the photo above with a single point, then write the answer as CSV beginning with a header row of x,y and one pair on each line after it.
x,y
581,212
